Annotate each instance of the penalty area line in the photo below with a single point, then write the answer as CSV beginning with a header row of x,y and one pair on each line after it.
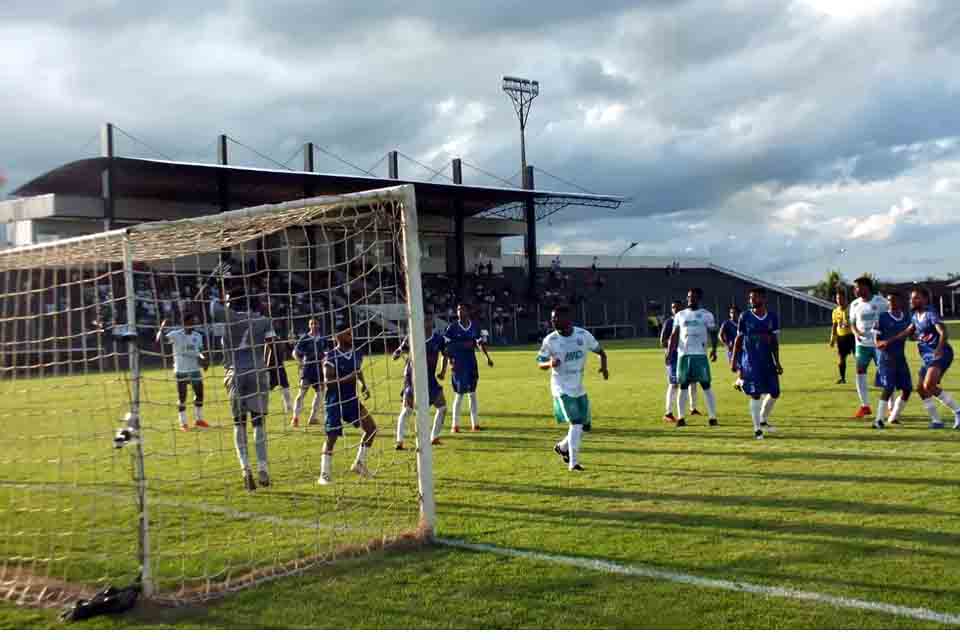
x,y
641,571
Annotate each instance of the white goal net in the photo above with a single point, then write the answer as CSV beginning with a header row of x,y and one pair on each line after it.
x,y
129,360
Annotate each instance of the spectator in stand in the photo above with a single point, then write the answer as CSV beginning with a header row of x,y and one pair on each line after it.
x,y
489,267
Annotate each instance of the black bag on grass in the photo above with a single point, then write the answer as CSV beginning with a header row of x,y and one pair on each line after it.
x,y
108,600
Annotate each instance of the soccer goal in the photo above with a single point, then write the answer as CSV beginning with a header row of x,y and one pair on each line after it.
x,y
120,458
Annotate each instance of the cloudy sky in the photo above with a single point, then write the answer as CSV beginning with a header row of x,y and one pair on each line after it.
x,y
782,138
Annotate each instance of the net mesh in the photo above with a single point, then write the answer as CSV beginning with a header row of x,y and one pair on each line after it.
x,y
70,497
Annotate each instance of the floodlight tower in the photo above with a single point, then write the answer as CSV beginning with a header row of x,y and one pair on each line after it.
x,y
521,92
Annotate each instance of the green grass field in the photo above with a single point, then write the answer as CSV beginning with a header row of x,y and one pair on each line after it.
x,y
826,505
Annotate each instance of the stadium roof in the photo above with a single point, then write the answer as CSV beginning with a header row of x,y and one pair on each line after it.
x,y
195,182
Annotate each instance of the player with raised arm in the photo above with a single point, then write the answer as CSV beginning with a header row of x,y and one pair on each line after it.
x,y
246,334
693,327
341,374
670,358
756,357
309,353
462,339
841,335
187,358
434,347
864,313
564,354
893,372
936,355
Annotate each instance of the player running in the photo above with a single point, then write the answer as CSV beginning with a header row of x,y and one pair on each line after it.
x,y
187,357
564,354
341,373
692,328
462,339
864,312
841,335
309,353
756,357
434,347
893,372
935,353
728,335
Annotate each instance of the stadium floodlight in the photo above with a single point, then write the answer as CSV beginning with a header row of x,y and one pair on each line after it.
x,y
624,252
521,92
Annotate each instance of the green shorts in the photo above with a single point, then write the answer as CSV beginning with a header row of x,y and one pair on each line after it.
x,y
695,368
865,355
572,410
189,376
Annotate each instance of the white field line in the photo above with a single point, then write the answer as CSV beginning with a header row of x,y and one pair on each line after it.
x,y
641,571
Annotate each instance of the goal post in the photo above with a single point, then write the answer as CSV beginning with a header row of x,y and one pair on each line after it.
x,y
107,472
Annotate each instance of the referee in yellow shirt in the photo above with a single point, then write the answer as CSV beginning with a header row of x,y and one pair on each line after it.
x,y
841,336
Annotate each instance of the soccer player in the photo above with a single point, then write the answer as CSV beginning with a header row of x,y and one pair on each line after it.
x,y
670,356
246,334
187,357
341,372
309,353
692,328
277,371
728,335
434,347
462,339
893,372
864,312
564,354
935,353
841,336
756,357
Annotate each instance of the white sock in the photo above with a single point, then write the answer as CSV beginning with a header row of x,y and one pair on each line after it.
x,y
931,407
474,410
947,400
183,417
862,390
682,403
402,422
881,409
298,404
672,390
285,394
756,407
711,400
326,461
315,406
897,408
693,397
362,454
198,412
457,401
438,422
767,408
574,434
890,404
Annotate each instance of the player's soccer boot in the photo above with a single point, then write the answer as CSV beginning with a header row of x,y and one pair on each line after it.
x,y
878,424
758,434
956,421
248,482
895,421
294,422
312,422
767,427
936,425
360,469
184,427
863,412
454,429
695,412
324,479
435,441
399,446
563,454
668,417
713,422
681,422
475,428
263,478
841,381
202,424
576,467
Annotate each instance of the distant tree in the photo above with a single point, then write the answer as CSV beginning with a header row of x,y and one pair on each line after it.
x,y
827,288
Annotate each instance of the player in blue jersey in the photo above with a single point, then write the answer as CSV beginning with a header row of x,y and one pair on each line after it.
x,y
935,353
670,354
309,353
893,372
756,357
462,339
728,335
341,374
433,346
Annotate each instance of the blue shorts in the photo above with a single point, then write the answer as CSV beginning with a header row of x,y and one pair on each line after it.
x,y
758,383
434,389
339,413
893,376
942,363
465,380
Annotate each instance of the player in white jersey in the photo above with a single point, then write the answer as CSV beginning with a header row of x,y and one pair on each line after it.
x,y
187,358
564,354
693,328
864,315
